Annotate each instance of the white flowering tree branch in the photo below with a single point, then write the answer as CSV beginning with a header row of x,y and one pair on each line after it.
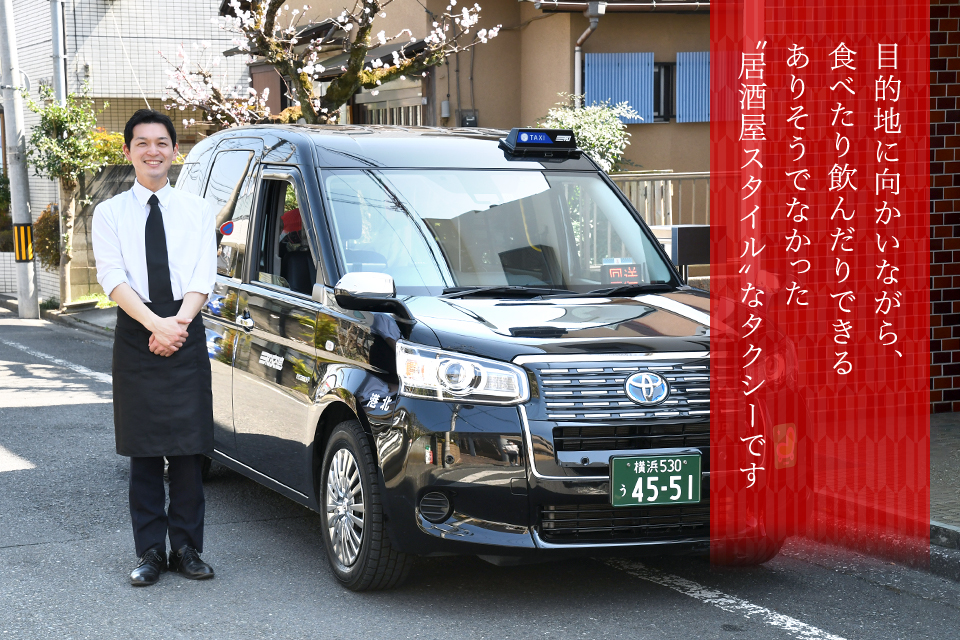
x,y
599,128
192,85
269,29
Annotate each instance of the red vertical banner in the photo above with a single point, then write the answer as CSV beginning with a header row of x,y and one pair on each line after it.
x,y
820,257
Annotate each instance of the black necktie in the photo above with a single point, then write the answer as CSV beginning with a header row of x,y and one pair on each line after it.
x,y
158,269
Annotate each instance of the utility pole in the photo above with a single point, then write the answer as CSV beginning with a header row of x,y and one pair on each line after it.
x,y
14,140
60,96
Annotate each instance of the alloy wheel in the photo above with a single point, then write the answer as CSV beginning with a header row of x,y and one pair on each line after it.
x,y
345,507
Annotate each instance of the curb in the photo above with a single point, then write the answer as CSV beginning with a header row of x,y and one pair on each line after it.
x,y
944,546
51,315
944,535
75,323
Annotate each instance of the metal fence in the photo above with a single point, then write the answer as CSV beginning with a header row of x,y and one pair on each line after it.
x,y
668,198
8,273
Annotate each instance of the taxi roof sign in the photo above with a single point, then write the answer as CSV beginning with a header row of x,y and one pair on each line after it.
x,y
558,143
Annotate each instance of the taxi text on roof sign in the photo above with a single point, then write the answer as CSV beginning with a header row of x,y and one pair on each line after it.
x,y
546,142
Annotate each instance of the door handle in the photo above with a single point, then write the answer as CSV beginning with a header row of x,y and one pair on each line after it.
x,y
245,321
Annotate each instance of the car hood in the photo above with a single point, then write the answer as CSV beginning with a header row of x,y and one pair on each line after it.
x,y
504,329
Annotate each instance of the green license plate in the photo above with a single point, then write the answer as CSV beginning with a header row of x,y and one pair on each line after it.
x,y
655,479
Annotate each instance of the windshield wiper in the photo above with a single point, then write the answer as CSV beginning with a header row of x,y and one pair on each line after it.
x,y
506,290
624,290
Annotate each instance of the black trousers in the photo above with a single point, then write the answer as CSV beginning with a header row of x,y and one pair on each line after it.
x,y
184,520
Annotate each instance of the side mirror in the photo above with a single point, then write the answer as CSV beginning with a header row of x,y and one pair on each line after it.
x,y
370,291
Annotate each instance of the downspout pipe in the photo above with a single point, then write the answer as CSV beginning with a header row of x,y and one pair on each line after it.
x,y
593,13
59,52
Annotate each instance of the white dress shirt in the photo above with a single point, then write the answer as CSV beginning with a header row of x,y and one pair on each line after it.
x,y
189,226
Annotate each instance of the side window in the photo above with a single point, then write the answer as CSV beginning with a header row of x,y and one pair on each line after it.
x,y
230,191
374,232
284,257
195,166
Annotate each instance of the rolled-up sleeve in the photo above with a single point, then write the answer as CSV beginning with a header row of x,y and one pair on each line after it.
x,y
205,272
106,249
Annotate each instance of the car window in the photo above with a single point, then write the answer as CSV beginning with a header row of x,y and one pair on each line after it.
x,y
284,258
375,233
195,167
472,228
230,191
190,178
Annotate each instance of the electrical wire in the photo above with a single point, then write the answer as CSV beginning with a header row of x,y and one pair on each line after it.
x,y
130,64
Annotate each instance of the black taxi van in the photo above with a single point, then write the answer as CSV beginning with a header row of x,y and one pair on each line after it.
x,y
452,342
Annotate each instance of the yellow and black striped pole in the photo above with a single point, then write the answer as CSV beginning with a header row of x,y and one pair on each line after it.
x,y
23,242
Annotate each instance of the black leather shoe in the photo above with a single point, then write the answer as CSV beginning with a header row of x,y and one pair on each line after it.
x,y
149,568
187,562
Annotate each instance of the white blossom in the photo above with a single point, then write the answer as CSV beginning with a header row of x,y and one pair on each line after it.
x,y
598,128
196,84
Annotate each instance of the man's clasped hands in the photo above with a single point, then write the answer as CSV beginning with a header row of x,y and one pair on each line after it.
x,y
168,335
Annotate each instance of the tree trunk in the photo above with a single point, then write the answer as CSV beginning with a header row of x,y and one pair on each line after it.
x,y
68,211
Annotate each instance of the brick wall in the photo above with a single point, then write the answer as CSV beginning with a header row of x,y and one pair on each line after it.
x,y
944,205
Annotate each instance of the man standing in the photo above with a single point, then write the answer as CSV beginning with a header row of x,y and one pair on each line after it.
x,y
156,258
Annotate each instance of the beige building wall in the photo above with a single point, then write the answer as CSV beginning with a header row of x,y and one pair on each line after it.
x,y
658,145
496,72
401,14
662,33
681,147
540,65
546,61
518,75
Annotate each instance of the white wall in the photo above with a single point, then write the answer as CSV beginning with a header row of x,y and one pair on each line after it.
x,y
114,44
95,54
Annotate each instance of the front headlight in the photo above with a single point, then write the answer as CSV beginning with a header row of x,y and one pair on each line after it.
x,y
431,373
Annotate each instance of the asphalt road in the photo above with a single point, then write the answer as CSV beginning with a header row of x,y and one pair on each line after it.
x,y
66,550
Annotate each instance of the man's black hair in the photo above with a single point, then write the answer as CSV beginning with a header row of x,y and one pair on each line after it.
x,y
148,116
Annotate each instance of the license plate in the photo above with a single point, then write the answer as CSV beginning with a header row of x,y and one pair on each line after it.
x,y
655,479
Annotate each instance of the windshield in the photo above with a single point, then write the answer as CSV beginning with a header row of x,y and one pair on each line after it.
x,y
434,230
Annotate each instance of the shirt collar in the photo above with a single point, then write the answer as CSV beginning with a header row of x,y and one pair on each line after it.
x,y
142,194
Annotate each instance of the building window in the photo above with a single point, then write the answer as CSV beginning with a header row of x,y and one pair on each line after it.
x,y
399,102
385,113
663,91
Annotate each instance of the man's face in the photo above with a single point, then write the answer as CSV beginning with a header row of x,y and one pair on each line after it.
x,y
151,152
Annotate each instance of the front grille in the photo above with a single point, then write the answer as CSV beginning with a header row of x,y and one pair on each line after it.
x,y
631,436
596,393
600,523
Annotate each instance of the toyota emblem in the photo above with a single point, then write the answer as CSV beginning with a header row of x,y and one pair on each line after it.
x,y
647,388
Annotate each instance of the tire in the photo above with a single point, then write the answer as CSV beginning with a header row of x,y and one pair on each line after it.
x,y
351,510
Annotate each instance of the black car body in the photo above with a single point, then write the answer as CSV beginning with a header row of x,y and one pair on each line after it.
x,y
300,362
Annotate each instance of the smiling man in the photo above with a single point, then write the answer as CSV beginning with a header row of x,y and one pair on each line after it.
x,y
156,258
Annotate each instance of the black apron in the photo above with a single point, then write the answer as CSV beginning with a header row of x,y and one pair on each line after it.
x,y
162,406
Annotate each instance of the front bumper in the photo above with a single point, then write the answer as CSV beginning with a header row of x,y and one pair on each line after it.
x,y
505,503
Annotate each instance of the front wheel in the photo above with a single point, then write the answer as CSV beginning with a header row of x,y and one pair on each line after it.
x,y
354,534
